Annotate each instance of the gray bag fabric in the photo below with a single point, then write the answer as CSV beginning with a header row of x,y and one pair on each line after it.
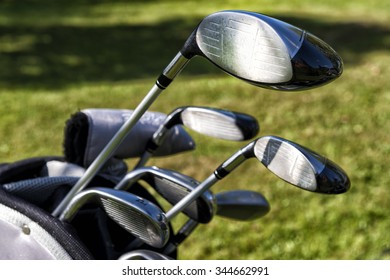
x,y
29,233
87,132
30,189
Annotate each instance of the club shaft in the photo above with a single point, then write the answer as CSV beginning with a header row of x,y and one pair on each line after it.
x,y
157,139
106,153
187,200
221,172
143,159
169,73
182,235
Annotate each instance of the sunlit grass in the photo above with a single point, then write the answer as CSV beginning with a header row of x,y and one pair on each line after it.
x,y
64,56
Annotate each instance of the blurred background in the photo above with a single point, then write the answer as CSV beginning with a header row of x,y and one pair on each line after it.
x,y
57,57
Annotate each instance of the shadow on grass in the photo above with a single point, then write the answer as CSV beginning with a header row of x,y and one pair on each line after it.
x,y
54,56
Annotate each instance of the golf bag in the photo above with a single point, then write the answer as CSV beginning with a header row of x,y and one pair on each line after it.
x,y
28,232
28,195
32,188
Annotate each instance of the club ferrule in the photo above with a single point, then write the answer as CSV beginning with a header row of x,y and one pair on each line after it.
x,y
229,165
175,66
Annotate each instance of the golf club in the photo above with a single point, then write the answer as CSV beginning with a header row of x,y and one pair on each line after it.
x,y
138,216
256,48
172,186
213,122
291,162
143,255
241,205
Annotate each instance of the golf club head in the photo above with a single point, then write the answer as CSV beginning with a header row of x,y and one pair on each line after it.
x,y
143,255
218,123
213,122
264,51
291,162
242,205
138,216
300,166
173,186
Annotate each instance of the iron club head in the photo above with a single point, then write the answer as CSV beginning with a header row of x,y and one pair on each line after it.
x,y
143,255
173,186
138,216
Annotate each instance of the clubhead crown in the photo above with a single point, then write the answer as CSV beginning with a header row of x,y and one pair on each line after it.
x,y
242,205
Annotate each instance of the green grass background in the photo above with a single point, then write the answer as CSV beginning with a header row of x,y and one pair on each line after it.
x,y
57,57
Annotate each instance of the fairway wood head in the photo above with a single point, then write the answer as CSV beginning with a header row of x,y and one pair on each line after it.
x,y
219,123
264,51
300,166
138,216
242,205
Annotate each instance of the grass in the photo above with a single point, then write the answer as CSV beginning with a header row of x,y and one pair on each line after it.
x,y
59,57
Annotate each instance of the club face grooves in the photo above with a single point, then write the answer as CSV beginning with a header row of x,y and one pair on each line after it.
x,y
135,222
138,216
286,162
245,46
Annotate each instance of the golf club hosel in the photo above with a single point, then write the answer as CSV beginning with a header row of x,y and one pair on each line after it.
x,y
174,118
190,47
157,139
171,71
235,160
131,178
72,208
160,134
